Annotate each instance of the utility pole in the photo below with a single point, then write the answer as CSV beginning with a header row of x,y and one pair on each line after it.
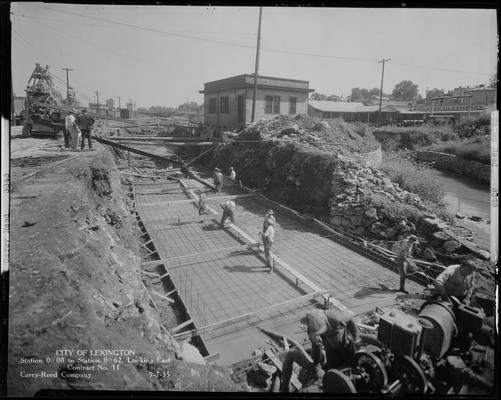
x,y
381,91
97,96
119,105
67,85
257,65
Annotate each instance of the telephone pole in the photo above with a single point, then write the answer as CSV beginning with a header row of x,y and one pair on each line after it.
x,y
381,91
97,96
67,85
119,105
257,65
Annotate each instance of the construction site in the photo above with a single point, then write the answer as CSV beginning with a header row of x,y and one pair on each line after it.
x,y
125,285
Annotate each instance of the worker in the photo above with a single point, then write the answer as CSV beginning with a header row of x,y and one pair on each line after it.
x,y
404,261
202,205
228,211
456,280
217,179
267,236
85,124
334,337
67,136
233,175
73,128
269,219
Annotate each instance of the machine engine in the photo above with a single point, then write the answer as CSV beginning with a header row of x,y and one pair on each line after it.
x,y
427,353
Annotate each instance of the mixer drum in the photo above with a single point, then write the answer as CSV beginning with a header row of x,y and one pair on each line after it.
x,y
437,340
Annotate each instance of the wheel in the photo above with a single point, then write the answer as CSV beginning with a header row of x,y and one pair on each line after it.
x,y
336,382
410,375
373,366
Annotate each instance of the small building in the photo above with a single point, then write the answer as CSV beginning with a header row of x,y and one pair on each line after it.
x,y
333,109
228,102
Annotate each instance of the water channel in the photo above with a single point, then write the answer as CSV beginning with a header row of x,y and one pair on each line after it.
x,y
468,197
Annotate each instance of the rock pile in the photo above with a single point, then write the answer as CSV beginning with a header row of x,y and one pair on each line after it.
x,y
354,186
312,133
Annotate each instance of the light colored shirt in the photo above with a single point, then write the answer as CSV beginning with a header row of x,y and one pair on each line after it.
x,y
454,283
230,205
269,233
233,175
69,121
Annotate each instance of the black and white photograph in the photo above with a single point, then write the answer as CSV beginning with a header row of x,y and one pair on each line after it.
x,y
249,200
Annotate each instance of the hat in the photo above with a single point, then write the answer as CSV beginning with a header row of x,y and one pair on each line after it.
x,y
231,167
270,211
316,322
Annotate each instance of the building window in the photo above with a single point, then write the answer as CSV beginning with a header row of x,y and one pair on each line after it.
x,y
272,105
292,105
224,104
212,105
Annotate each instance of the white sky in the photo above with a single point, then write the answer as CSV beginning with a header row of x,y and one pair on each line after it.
x,y
162,55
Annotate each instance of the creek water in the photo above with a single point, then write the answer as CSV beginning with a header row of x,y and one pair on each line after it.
x,y
465,195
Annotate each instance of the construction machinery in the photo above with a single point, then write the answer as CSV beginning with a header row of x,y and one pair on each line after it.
x,y
442,350
44,110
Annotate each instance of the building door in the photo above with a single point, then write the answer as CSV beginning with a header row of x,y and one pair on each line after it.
x,y
240,109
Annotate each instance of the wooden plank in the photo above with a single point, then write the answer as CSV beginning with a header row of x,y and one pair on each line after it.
x,y
165,261
212,357
163,297
181,326
168,202
151,274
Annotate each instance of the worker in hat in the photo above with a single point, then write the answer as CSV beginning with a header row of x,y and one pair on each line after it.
x,y
217,178
404,261
334,337
202,203
228,212
269,219
456,280
71,125
85,124
233,175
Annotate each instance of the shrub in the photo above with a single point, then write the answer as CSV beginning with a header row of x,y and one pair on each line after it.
x,y
476,149
414,177
400,138
472,127
394,210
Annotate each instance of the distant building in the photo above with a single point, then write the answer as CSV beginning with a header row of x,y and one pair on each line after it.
x,y
110,104
333,109
228,102
131,106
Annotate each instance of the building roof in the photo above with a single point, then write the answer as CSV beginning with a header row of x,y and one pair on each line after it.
x,y
335,106
247,81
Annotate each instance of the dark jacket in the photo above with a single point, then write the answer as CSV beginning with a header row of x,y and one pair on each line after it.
x,y
85,122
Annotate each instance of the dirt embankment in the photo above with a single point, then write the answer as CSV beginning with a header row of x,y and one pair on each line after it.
x,y
75,284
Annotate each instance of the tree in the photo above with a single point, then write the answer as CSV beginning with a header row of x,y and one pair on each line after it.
x,y
318,96
405,91
430,94
190,107
332,97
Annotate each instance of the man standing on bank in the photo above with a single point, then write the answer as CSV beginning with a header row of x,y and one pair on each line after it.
x,y
404,261
85,125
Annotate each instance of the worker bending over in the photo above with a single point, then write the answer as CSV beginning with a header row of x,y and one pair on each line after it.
x,y
457,281
228,211
334,337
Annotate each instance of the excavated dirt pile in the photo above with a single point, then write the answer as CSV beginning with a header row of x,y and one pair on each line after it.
x,y
75,285
329,135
